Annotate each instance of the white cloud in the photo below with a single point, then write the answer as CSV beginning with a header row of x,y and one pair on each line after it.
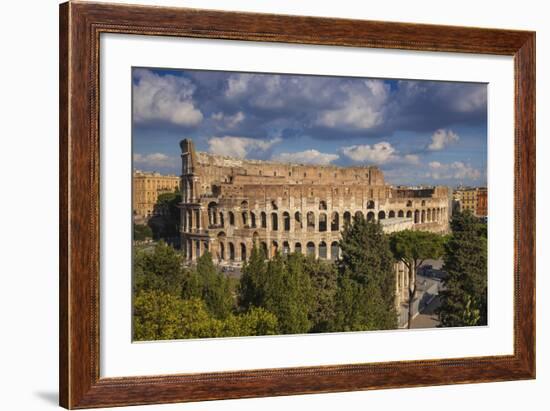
x,y
363,107
227,120
237,84
411,158
442,138
306,157
154,160
456,170
240,147
471,100
378,153
165,98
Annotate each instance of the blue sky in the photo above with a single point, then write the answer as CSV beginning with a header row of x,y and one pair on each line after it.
x,y
418,132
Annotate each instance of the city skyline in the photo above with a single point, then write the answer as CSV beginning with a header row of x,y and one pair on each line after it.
x,y
417,132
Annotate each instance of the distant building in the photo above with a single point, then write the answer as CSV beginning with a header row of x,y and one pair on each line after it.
x,y
473,199
481,206
146,189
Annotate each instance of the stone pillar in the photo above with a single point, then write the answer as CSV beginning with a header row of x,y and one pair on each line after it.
x,y
329,251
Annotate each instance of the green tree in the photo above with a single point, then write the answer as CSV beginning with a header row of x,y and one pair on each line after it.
x,y
158,269
166,219
365,297
412,248
155,315
209,284
252,282
464,300
142,232
256,321
324,283
288,293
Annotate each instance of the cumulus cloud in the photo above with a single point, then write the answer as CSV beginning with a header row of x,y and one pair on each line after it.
x,y
241,147
154,161
165,98
456,170
229,121
362,107
378,153
306,157
442,138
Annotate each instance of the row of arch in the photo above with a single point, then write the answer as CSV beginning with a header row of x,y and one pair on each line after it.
x,y
314,222
240,251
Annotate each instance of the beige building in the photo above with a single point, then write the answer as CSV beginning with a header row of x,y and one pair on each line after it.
x,y
471,198
146,189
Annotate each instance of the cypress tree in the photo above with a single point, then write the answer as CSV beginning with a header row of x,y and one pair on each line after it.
x,y
366,282
464,301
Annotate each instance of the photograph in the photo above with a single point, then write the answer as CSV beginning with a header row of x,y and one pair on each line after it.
x,y
272,204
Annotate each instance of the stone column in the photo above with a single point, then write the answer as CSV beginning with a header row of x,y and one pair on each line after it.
x,y
329,251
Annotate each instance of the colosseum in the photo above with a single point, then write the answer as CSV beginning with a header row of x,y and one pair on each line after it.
x,y
230,204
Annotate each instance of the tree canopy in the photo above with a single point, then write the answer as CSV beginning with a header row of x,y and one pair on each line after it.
x,y
365,297
464,300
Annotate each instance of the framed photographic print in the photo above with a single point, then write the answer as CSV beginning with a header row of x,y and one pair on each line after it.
x,y
257,205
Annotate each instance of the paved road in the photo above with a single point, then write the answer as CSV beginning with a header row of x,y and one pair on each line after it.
x,y
427,318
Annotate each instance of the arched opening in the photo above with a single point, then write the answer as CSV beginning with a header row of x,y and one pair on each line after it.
x,y
231,252
322,205
400,214
255,237
221,246
286,221
322,222
409,214
263,217
274,222
334,222
423,203
252,220
347,218
416,216
370,204
197,219
263,249
298,248
244,215
298,220
310,221
274,247
286,248
334,250
244,205
381,215
429,215
243,252
222,223
212,213
370,216
358,215
274,205
197,248
391,214
323,250
231,218
310,249
423,216
221,252
409,203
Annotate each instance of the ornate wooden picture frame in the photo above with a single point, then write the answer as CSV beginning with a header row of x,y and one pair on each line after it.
x,y
81,25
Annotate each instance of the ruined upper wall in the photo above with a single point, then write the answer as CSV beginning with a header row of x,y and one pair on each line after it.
x,y
215,169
